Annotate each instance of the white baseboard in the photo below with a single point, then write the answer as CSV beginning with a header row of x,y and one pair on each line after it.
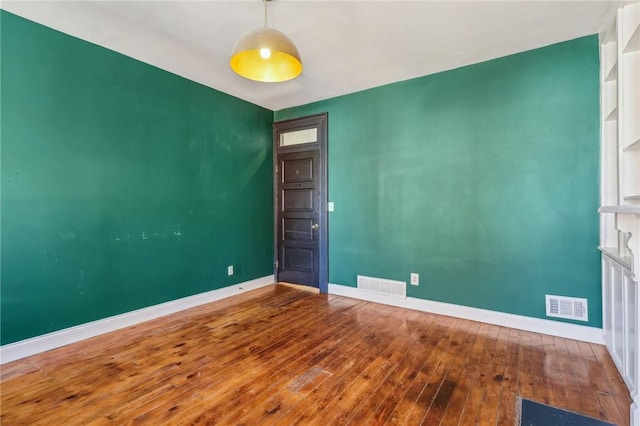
x,y
537,325
45,342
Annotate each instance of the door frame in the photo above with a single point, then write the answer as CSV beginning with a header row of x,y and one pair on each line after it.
x,y
319,121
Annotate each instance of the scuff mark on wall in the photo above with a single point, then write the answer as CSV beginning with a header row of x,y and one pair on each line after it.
x,y
81,286
173,231
67,235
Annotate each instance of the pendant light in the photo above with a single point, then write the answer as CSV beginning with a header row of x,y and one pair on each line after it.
x,y
266,55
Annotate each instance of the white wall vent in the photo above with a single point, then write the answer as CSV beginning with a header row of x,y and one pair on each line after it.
x,y
567,307
383,286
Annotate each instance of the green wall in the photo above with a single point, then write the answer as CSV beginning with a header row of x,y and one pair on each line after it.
x,y
483,179
123,185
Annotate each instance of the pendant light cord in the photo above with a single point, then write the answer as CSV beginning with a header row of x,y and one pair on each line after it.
x,y
265,13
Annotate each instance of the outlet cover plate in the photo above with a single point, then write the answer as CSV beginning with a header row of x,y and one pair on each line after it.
x,y
415,278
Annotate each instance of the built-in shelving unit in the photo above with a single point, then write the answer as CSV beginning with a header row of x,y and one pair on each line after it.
x,y
620,193
629,100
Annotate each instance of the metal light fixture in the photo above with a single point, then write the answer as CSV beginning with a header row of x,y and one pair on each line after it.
x,y
266,55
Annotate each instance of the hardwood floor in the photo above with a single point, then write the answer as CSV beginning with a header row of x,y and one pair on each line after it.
x,y
281,356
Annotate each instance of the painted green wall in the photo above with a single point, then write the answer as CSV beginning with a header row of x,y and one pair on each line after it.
x,y
123,185
483,179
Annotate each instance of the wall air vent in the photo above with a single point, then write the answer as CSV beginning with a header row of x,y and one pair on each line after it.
x,y
567,307
383,286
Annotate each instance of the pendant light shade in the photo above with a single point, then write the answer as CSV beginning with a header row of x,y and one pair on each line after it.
x,y
266,55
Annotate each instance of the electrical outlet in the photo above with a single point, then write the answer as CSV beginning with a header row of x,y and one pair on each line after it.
x,y
415,278
230,270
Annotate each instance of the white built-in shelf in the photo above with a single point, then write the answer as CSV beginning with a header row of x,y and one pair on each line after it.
x,y
626,209
628,26
613,253
630,95
633,146
628,101
612,74
629,104
610,60
610,99
633,44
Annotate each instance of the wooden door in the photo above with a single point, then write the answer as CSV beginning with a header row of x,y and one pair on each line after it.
x,y
300,201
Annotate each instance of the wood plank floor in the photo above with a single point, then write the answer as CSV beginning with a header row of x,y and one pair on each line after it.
x,y
284,356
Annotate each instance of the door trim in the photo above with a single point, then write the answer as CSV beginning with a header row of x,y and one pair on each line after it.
x,y
319,121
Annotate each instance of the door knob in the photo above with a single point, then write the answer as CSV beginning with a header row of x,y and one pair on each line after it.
x,y
315,226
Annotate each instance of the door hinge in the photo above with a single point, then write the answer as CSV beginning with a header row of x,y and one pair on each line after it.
x,y
277,264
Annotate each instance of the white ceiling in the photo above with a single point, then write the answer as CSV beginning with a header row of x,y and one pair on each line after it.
x,y
346,46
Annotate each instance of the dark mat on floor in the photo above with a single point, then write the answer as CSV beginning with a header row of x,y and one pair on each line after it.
x,y
535,414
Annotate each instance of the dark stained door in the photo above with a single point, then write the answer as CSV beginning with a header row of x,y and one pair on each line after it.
x,y
298,256
300,201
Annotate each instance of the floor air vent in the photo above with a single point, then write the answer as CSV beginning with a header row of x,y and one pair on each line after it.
x,y
383,286
567,307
